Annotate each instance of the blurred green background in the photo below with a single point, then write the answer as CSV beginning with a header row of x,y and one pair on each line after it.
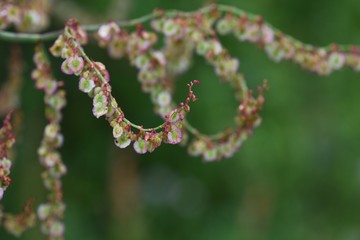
x,y
297,177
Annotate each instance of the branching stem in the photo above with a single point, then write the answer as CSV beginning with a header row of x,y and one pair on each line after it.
x,y
50,36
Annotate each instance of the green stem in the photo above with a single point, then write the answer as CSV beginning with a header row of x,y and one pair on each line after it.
x,y
35,37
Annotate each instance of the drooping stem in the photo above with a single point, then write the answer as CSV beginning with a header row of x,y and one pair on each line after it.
x,y
224,9
103,80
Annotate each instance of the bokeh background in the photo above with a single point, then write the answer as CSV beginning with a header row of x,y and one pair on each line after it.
x,y
297,177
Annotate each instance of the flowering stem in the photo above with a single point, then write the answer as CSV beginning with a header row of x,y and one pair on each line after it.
x,y
101,77
50,36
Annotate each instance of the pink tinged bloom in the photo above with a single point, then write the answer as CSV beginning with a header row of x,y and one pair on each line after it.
x,y
51,130
117,48
140,146
1,193
163,99
56,101
117,131
252,32
57,47
323,68
86,84
142,62
123,141
57,229
76,64
4,22
82,36
224,26
202,47
100,98
13,14
51,159
267,34
143,45
233,65
210,154
175,116
274,51
215,47
104,32
101,67
6,164
336,60
65,67
159,56
174,135
99,109
43,211
107,31
170,27
100,105
51,87
66,52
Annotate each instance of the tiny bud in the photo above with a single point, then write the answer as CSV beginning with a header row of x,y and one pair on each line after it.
x,y
164,99
123,141
99,109
140,146
170,28
43,211
51,130
117,130
175,116
174,135
57,229
6,164
65,68
76,64
210,154
86,85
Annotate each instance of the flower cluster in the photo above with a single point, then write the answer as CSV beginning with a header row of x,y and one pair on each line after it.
x,y
50,213
195,34
16,224
94,80
159,68
278,46
7,140
31,16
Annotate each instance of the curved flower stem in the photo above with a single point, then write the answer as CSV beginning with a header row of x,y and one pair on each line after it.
x,y
198,134
35,37
101,77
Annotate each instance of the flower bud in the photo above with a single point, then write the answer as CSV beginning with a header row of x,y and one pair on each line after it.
x,y
140,146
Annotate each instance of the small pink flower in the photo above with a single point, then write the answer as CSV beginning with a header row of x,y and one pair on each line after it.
x,y
43,211
65,67
174,135
57,229
99,109
86,85
123,141
175,116
267,34
210,154
163,99
140,146
76,64
117,131
170,27
6,164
